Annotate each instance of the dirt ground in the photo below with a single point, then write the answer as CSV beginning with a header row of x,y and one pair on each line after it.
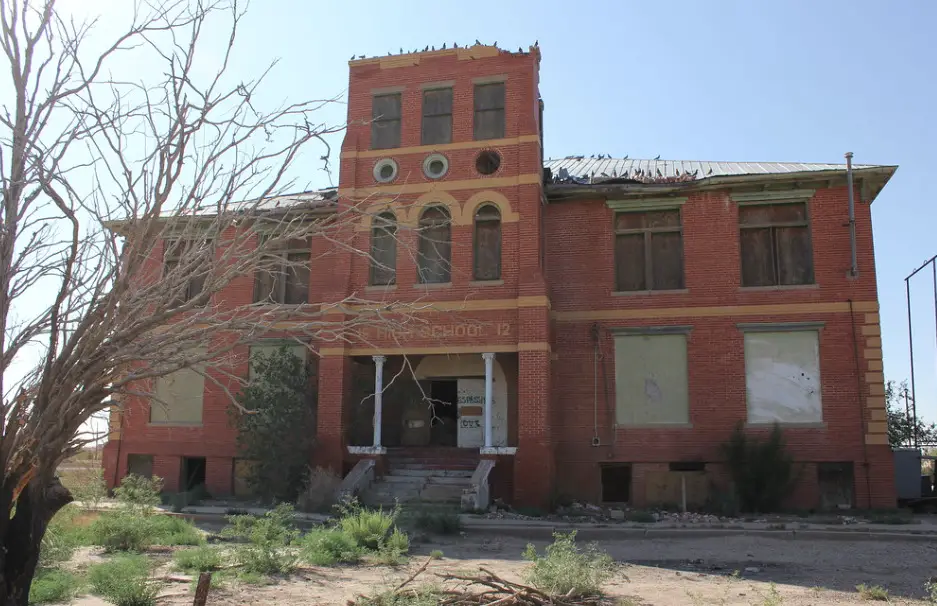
x,y
724,571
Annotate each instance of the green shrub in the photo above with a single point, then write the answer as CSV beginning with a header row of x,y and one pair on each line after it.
x,y
329,546
368,528
393,550
567,570
124,581
444,521
139,493
52,585
124,530
762,471
173,530
199,559
88,487
264,540
875,593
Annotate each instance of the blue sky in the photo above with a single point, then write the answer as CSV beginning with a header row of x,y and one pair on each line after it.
x,y
796,80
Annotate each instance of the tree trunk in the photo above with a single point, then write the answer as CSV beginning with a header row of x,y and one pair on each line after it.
x,y
22,538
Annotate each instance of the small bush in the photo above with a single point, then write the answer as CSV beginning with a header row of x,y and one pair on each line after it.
x,y
124,581
123,530
199,559
327,547
762,471
264,540
319,492
88,487
139,493
875,593
173,530
436,522
397,541
567,570
367,527
52,585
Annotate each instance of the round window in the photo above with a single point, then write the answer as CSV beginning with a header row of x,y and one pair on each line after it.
x,y
488,162
385,170
435,166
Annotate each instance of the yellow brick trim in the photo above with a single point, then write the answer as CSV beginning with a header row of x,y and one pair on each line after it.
x,y
436,186
533,347
871,330
428,149
873,342
435,198
429,351
876,389
872,354
534,301
875,402
331,351
462,305
876,427
377,208
478,51
874,377
878,414
708,312
489,197
877,439
875,365
872,318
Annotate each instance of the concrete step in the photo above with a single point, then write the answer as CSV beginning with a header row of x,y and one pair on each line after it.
x,y
399,479
448,481
441,493
420,471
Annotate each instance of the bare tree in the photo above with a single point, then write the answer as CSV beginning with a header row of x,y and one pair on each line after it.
x,y
101,174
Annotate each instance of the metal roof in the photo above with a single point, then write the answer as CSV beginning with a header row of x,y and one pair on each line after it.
x,y
583,167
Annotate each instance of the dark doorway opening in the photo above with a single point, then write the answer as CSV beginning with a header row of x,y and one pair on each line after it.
x,y
444,425
616,483
193,472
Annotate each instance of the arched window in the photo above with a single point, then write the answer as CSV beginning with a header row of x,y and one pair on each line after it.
x,y
487,245
384,249
435,249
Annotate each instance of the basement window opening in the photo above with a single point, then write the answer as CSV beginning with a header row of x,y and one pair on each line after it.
x,y
616,483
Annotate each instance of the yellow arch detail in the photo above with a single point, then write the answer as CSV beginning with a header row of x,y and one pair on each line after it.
x,y
489,197
432,198
377,208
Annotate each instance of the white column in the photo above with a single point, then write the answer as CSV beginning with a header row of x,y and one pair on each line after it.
x,y
378,397
489,371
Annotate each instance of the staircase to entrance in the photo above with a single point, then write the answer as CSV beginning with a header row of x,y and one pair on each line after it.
x,y
430,476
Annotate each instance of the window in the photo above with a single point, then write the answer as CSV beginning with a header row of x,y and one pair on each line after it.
x,y
489,111
179,397
487,245
385,121
651,379
140,465
437,116
648,251
775,245
782,376
384,250
184,266
270,347
435,247
283,274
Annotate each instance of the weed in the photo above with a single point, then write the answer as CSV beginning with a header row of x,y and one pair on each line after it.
x,y
124,581
52,585
173,530
931,588
251,578
367,527
88,487
436,554
199,559
419,596
397,541
444,521
264,540
124,530
63,534
874,593
139,493
566,569
329,546
773,598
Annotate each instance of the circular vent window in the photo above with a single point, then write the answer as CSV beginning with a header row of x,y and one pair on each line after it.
x,y
488,162
385,170
435,166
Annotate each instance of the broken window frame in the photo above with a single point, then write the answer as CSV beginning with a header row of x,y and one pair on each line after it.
x,y
648,233
279,262
487,215
773,227
383,261
436,251
433,117
177,250
485,111
385,125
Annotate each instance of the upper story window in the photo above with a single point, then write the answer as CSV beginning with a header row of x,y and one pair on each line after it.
x,y
184,268
489,111
435,247
487,244
775,244
283,274
384,250
385,121
437,116
648,251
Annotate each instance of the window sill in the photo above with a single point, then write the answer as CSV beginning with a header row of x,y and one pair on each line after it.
x,y
486,283
654,426
778,287
379,287
433,285
647,293
173,424
769,425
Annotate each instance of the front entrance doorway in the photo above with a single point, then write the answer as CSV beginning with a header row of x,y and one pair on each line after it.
x,y
444,424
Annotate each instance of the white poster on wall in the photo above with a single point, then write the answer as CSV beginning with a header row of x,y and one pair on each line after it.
x,y
472,425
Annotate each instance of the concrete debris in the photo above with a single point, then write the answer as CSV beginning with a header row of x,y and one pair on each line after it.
x,y
752,569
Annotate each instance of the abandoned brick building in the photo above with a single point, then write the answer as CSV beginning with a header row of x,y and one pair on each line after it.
x,y
597,327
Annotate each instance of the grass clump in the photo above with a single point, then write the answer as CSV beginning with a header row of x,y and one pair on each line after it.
x,y
52,585
124,530
124,581
358,533
64,533
367,527
329,546
264,541
873,593
568,570
198,559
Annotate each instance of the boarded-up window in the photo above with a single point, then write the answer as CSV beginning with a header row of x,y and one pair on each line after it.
x,y
775,244
437,116
266,349
648,251
385,121
435,247
140,465
185,268
282,276
651,379
782,377
489,111
384,250
487,245
179,397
